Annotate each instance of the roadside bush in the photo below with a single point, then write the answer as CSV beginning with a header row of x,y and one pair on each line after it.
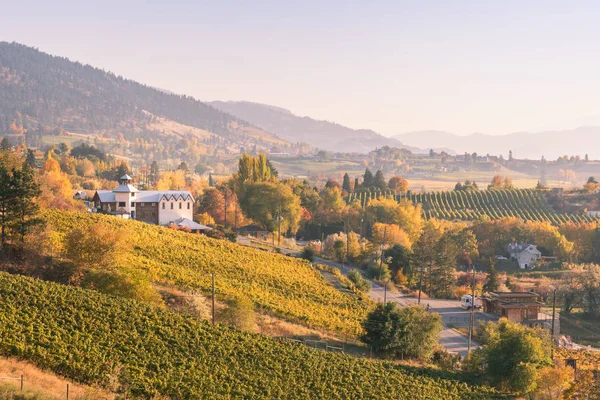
x,y
308,253
359,282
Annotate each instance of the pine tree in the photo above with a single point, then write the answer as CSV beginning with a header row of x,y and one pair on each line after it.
x,y
25,207
346,183
211,181
5,144
367,179
356,184
379,181
492,282
7,199
31,160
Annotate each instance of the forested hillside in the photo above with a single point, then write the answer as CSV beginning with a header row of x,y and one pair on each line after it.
x,y
38,90
137,350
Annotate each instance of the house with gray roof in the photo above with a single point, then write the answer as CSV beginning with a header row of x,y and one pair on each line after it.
x,y
159,207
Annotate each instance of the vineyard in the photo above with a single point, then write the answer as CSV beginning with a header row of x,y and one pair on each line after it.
x,y
131,348
586,360
287,287
526,204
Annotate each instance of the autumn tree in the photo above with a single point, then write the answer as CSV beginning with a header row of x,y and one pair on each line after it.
x,y
398,183
403,213
268,203
497,182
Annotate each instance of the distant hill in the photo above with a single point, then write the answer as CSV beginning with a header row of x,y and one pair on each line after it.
x,y
322,134
551,144
37,89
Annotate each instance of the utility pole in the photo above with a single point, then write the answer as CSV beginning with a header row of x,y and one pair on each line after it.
x,y
381,255
553,321
279,227
213,298
420,283
472,316
347,241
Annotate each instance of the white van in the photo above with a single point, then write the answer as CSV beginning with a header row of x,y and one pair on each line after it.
x,y
465,302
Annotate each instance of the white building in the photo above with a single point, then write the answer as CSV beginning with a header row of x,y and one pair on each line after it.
x,y
527,255
151,206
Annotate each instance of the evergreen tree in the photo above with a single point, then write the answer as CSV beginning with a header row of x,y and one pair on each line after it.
x,y
492,282
346,183
5,144
274,171
30,160
356,184
7,199
211,181
367,179
379,181
25,206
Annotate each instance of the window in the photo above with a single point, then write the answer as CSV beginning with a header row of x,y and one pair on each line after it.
x,y
189,205
132,194
180,206
153,204
163,206
132,204
172,206
121,204
141,204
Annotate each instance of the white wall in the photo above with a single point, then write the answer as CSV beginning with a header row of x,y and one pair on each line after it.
x,y
167,215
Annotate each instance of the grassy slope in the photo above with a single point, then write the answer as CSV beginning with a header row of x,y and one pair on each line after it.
x,y
122,344
288,287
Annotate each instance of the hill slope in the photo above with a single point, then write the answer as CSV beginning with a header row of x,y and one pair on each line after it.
x,y
322,134
285,286
118,343
551,144
37,88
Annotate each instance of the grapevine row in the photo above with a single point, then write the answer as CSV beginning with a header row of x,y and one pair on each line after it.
x,y
526,204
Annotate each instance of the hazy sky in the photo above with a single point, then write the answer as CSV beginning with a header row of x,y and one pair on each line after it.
x,y
393,66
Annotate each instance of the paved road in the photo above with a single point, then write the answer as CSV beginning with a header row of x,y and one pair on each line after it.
x,y
450,311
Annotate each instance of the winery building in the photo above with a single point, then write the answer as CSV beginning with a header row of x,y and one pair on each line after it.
x,y
152,206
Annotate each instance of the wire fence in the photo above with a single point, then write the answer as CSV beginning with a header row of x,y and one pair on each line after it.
x,y
21,381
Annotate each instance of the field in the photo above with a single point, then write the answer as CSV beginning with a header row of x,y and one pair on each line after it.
x,y
128,347
526,204
303,168
284,286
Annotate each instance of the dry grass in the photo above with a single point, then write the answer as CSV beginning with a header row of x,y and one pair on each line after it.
x,y
171,128
45,385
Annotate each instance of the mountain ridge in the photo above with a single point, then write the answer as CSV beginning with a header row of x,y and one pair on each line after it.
x,y
322,134
532,145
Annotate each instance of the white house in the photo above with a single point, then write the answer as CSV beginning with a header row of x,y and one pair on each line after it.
x,y
151,206
594,213
527,255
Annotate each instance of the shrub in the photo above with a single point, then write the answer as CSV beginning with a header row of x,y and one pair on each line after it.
x,y
308,253
239,313
361,283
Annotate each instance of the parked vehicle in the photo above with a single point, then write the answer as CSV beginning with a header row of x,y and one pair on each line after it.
x,y
466,302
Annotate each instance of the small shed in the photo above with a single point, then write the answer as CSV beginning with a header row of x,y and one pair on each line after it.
x,y
254,231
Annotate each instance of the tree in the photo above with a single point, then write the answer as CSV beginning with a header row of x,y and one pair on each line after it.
x,y
359,282
492,280
183,167
379,181
393,234
402,332
552,381
31,160
265,202
5,144
512,355
346,183
398,183
26,207
154,172
585,387
496,182
403,213
368,179
508,184
400,257
7,201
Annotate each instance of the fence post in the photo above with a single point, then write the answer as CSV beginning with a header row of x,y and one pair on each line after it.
x,y
67,391
21,383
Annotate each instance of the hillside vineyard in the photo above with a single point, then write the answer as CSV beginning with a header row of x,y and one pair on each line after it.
x,y
526,204
109,341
